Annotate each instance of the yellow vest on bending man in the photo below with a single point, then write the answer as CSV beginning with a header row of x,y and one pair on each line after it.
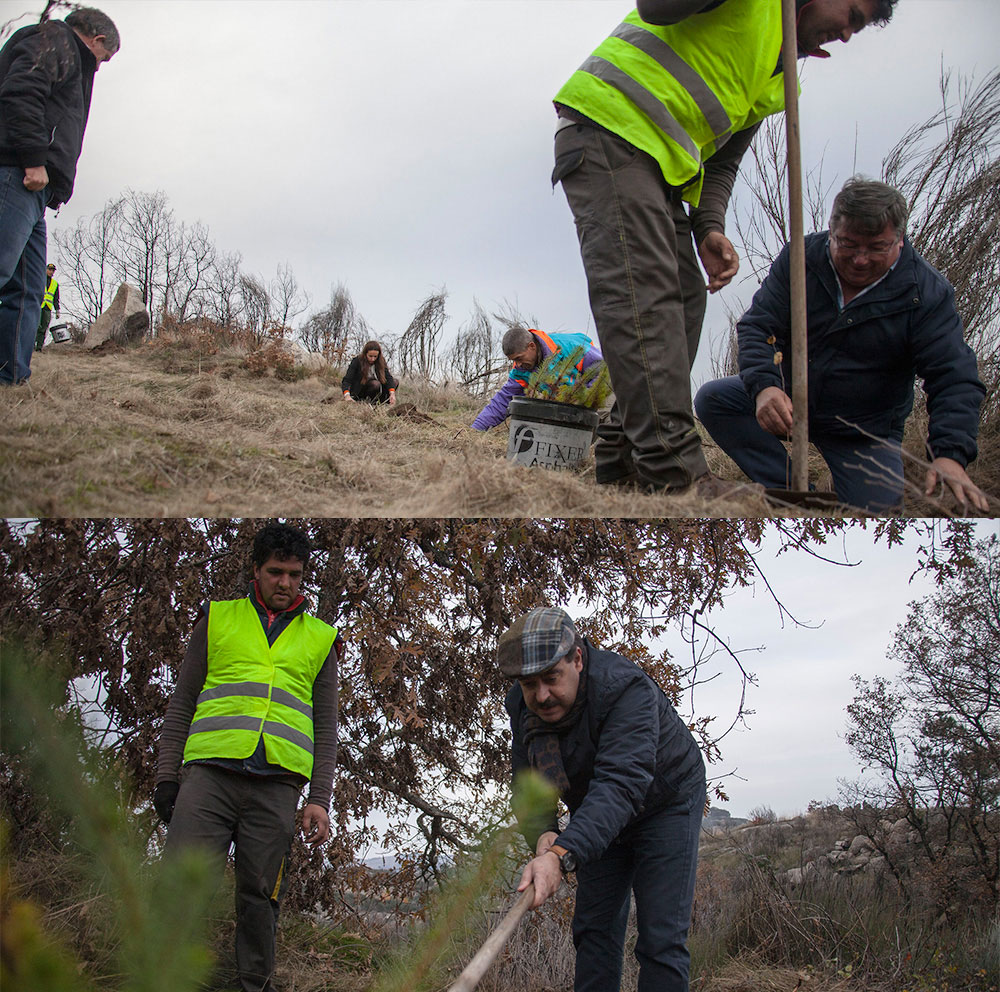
x,y
679,91
254,689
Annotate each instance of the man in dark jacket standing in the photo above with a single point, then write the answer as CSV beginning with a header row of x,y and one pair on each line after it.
x,y
46,78
877,314
629,770
253,718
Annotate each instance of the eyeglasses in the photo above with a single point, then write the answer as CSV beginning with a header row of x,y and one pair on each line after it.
x,y
875,253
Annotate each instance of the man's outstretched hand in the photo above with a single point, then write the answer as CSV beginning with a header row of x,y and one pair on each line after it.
x,y
949,472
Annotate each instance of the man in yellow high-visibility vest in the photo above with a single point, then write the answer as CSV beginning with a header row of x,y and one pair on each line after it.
x,y
252,719
652,127
50,302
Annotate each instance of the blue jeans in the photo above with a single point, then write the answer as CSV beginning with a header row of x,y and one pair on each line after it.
x,y
22,272
867,472
657,859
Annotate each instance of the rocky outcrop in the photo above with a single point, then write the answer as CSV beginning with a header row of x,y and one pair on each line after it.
x,y
312,361
123,322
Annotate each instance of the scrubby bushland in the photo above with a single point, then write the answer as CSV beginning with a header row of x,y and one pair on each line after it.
x,y
930,740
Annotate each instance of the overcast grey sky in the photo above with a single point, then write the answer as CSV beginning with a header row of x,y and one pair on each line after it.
x,y
398,146
792,749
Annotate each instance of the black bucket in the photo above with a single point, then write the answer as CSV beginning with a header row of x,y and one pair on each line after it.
x,y
549,434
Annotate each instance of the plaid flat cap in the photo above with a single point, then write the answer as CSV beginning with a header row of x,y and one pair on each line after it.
x,y
535,642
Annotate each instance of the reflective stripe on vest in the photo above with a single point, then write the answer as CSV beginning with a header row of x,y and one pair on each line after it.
x,y
679,91
50,294
255,690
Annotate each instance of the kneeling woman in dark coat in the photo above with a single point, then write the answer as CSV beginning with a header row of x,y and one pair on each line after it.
x,y
368,378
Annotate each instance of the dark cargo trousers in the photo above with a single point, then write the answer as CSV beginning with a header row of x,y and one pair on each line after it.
x,y
647,295
216,808
657,860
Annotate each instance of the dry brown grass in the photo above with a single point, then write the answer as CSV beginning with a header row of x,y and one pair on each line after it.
x,y
745,976
186,429
160,431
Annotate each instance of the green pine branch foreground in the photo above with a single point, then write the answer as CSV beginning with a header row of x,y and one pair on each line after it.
x,y
559,380
160,908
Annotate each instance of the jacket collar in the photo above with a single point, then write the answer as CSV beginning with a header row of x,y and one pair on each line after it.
x,y
289,613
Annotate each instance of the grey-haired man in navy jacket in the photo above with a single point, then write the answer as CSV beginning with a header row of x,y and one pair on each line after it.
x,y
877,315
46,80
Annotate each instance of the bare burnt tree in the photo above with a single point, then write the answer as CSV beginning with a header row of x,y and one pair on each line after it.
x,y
416,351
188,269
335,330
761,220
509,315
475,359
146,232
288,299
223,302
948,170
762,226
86,254
255,307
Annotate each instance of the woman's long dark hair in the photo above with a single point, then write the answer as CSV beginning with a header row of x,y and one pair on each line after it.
x,y
379,362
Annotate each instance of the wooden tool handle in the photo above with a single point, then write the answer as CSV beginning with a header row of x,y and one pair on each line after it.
x,y
486,955
797,252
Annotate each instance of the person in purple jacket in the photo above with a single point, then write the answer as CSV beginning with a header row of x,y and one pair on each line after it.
x,y
527,349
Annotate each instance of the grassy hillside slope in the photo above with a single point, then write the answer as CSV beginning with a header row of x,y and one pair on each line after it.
x,y
166,430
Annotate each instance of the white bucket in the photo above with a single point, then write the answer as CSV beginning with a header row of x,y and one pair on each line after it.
x,y
549,434
60,333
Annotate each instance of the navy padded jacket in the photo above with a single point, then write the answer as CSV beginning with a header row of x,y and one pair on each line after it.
x,y
862,360
630,754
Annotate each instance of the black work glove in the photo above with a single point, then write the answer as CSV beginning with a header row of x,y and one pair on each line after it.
x,y
164,797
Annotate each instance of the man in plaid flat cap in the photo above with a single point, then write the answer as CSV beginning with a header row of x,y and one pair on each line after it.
x,y
629,770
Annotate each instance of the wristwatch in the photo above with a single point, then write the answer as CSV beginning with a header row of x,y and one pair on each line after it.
x,y
567,859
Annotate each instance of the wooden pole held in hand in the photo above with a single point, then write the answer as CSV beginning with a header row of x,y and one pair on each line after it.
x,y
485,956
797,250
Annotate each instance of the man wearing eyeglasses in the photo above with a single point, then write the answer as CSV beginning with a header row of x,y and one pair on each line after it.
x,y
877,315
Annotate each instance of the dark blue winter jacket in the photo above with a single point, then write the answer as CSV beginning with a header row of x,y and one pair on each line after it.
x,y
46,79
629,755
862,359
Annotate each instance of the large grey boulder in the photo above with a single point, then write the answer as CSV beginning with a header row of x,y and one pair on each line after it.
x,y
313,361
124,321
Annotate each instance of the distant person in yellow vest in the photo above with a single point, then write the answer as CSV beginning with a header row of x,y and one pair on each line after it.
x,y
651,131
50,302
253,718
